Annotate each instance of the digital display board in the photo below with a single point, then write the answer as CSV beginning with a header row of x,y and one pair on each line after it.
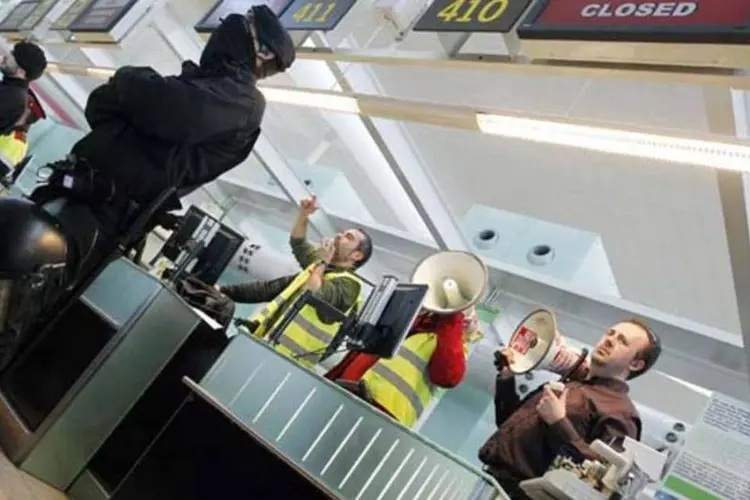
x,y
468,16
315,15
101,15
13,21
223,8
71,14
696,21
40,12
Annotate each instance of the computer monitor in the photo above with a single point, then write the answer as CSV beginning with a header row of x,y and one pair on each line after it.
x,y
384,337
214,259
190,222
384,322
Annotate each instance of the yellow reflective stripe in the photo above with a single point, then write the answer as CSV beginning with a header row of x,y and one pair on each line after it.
x,y
289,348
401,386
312,329
293,346
413,359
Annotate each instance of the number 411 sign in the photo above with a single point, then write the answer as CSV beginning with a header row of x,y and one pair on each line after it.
x,y
497,16
315,15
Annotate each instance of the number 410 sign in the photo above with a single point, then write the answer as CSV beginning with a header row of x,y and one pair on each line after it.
x,y
497,16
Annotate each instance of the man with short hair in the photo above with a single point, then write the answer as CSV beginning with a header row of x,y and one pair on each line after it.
x,y
15,145
532,432
25,63
327,272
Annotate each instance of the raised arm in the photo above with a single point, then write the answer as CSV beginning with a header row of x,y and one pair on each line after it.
x,y
303,251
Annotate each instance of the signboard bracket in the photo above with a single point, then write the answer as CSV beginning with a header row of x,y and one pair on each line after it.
x,y
453,42
300,37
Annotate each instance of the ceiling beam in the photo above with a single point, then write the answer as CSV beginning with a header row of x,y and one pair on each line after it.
x,y
530,67
460,117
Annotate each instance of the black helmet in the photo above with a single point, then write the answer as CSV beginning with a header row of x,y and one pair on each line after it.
x,y
30,239
273,35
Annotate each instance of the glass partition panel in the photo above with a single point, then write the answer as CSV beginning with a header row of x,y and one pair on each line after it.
x,y
48,141
343,443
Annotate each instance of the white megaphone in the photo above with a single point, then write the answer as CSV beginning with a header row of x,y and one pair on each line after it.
x,y
456,281
537,345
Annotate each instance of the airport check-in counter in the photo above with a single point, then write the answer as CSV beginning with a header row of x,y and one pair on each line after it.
x,y
93,391
339,445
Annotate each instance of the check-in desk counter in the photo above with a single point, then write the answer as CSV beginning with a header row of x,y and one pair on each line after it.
x,y
89,395
260,426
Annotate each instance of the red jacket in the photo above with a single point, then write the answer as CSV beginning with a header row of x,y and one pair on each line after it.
x,y
447,365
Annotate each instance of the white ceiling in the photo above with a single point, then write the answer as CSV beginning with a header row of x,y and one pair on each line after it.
x,y
660,223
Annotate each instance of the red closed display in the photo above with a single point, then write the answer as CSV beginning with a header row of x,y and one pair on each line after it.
x,y
587,13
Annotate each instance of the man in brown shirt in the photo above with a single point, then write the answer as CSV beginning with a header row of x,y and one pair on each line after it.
x,y
532,432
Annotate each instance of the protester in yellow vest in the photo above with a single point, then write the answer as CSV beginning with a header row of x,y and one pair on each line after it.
x,y
15,145
433,357
327,272
13,148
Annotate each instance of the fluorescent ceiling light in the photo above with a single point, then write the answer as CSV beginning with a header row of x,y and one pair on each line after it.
x,y
317,100
622,142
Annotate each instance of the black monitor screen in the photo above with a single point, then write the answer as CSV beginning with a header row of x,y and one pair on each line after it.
x,y
215,258
385,338
190,222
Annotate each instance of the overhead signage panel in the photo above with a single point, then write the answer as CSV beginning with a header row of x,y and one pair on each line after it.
x,y
101,16
12,22
35,17
63,22
315,15
696,21
223,8
489,16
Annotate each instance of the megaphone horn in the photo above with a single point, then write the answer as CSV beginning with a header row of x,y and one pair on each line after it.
x,y
537,345
456,280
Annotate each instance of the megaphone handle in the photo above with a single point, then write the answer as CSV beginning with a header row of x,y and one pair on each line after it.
x,y
576,366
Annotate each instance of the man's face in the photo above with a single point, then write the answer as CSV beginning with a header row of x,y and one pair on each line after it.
x,y
347,245
265,60
619,348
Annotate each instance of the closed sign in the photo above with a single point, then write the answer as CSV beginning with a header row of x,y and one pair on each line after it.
x,y
708,21
623,12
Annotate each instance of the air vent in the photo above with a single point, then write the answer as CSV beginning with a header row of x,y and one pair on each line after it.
x,y
540,255
485,239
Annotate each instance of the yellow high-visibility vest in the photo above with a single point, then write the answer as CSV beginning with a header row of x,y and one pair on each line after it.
x,y
13,149
402,384
307,333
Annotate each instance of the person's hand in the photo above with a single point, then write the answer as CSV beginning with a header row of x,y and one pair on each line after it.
x,y
503,359
308,206
327,250
315,281
551,406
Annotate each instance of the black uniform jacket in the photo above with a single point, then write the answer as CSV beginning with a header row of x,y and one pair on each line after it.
x,y
150,132
12,102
